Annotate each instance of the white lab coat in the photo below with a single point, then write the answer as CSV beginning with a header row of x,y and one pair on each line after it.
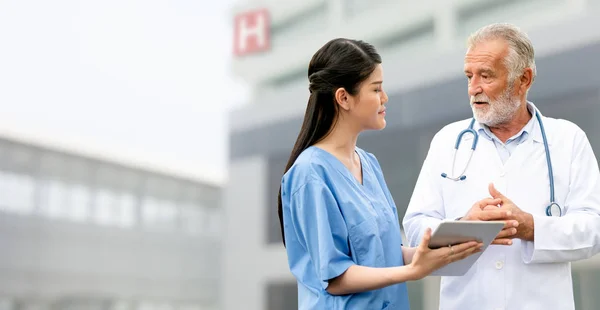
x,y
527,275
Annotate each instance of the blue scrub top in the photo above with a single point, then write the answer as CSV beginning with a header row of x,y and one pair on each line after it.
x,y
332,222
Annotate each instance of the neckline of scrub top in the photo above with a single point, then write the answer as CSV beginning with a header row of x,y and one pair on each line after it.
x,y
343,169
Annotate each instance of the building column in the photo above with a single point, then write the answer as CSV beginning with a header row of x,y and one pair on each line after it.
x,y
242,283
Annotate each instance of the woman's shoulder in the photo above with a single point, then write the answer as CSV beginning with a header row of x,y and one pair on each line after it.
x,y
311,166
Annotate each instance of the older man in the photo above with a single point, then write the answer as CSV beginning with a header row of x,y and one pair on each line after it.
x,y
541,169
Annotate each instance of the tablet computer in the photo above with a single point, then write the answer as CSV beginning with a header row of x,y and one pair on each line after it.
x,y
455,232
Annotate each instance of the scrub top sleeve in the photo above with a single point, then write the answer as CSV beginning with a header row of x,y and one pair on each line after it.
x,y
320,227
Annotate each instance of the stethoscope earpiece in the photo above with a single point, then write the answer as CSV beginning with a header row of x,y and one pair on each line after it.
x,y
461,178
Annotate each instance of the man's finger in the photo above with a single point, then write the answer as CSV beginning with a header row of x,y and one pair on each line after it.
x,y
490,207
488,202
511,223
491,215
494,192
507,232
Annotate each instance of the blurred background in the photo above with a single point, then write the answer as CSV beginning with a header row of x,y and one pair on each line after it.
x,y
142,142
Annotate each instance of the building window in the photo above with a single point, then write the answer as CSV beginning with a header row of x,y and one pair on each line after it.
x,y
158,213
53,199
79,201
193,218
105,207
127,210
17,167
21,189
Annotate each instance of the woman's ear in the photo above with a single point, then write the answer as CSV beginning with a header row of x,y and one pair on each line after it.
x,y
342,98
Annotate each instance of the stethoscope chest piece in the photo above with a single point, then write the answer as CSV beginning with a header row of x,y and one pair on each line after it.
x,y
553,210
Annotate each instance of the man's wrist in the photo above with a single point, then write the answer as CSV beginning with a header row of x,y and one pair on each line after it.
x,y
529,225
525,231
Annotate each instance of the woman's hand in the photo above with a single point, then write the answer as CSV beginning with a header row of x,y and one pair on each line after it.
x,y
426,260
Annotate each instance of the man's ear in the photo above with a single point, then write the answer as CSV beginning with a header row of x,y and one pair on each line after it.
x,y
526,80
342,98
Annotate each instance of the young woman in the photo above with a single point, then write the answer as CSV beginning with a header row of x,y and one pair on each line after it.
x,y
339,222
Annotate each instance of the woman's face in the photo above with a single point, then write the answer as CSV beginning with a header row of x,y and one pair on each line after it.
x,y
368,106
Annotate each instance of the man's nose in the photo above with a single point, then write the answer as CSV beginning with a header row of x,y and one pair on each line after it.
x,y
474,88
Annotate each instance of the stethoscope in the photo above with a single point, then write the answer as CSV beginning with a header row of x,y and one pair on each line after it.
x,y
553,209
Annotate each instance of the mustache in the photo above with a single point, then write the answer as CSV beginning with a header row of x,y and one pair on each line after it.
x,y
479,98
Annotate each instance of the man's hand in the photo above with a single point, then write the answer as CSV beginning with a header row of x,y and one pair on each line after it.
x,y
524,219
488,210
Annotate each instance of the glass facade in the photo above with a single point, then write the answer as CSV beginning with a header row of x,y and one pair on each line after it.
x,y
75,228
61,186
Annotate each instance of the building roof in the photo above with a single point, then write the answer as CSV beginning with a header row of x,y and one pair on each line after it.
x,y
135,159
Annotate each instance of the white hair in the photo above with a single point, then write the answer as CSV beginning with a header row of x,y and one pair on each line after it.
x,y
520,52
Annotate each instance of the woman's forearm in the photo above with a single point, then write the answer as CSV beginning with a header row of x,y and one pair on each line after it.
x,y
358,279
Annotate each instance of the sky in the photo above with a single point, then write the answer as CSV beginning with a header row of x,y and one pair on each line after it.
x,y
151,77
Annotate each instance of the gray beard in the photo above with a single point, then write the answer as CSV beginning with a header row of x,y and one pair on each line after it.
x,y
500,111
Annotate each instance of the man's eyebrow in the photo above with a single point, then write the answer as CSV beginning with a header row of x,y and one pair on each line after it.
x,y
485,70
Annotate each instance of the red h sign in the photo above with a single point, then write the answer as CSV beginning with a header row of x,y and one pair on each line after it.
x,y
251,32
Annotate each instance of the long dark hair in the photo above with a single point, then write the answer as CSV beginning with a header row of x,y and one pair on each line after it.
x,y
340,63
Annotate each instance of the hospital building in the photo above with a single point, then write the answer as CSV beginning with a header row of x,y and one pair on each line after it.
x,y
84,227
422,44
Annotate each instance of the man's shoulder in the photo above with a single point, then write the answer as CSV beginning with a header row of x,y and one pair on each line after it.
x,y
561,126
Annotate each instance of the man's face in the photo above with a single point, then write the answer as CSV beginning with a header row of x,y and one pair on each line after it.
x,y
492,96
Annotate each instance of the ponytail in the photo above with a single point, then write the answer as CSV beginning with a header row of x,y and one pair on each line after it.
x,y
318,120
